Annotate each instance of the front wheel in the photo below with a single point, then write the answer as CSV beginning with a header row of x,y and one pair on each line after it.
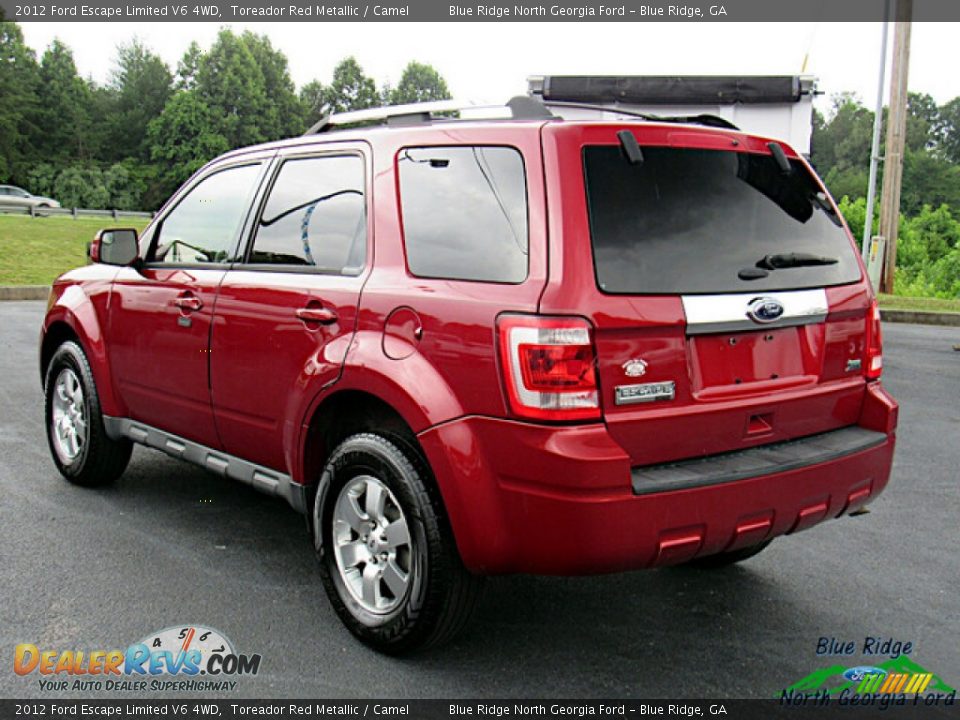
x,y
81,449
387,556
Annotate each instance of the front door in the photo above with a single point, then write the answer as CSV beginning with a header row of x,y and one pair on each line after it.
x,y
161,314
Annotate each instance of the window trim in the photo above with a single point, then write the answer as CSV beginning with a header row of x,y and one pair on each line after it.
x,y
184,192
403,228
250,237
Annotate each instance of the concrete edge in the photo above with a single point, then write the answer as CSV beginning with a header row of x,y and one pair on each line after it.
x,y
920,317
24,292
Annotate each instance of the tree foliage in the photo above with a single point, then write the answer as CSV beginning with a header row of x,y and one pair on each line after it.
x,y
131,141
419,83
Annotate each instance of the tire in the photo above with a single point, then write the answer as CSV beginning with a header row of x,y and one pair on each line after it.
x,y
396,591
720,560
81,449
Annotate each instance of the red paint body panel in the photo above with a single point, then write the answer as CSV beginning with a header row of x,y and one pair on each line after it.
x,y
524,498
249,376
79,299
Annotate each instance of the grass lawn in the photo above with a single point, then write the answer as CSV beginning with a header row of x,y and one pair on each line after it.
x,y
33,251
896,302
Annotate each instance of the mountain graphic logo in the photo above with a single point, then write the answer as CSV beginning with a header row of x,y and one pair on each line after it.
x,y
899,675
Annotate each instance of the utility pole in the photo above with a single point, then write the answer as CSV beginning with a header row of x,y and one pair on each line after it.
x,y
896,138
875,142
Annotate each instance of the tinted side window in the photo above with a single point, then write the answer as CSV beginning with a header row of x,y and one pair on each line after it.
x,y
315,216
203,227
464,213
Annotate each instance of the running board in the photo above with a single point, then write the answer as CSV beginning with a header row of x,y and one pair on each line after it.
x,y
261,478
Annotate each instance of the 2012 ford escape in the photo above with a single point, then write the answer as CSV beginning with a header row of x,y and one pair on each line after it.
x,y
470,347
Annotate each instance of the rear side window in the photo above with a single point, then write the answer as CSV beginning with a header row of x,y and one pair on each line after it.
x,y
688,221
464,213
315,216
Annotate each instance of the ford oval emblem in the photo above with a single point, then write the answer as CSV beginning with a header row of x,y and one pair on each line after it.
x,y
764,309
855,674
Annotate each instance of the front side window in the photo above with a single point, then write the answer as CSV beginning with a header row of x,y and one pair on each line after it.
x,y
315,216
464,213
204,225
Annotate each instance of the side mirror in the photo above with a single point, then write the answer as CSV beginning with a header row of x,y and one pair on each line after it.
x,y
115,246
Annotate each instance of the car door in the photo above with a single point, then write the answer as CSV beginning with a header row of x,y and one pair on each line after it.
x,y
14,197
285,316
161,313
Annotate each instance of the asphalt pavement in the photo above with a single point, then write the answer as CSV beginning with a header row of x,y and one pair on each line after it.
x,y
170,544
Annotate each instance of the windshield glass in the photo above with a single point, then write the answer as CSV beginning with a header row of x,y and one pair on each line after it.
x,y
687,221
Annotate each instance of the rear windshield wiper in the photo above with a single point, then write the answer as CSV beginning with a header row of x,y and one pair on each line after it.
x,y
793,260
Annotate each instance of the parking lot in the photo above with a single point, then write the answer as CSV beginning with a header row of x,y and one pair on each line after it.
x,y
171,544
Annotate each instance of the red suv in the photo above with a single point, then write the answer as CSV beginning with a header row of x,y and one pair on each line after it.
x,y
469,347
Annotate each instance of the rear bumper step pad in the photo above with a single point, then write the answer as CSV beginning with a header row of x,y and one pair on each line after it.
x,y
754,462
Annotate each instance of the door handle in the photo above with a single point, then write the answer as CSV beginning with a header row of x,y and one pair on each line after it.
x,y
188,302
321,315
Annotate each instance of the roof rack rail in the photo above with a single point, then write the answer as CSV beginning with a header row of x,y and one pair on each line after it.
x,y
701,119
522,107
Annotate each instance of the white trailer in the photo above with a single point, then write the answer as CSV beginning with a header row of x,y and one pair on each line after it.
x,y
778,107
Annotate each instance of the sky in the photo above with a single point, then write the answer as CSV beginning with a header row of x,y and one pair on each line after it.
x,y
489,62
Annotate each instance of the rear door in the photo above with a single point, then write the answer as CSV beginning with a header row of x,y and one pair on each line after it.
x,y
285,315
726,296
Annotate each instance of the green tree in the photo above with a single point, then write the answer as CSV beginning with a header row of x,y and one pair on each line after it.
x,y
313,100
183,138
923,117
419,83
143,84
231,85
19,78
284,116
82,186
188,66
841,146
63,108
928,180
350,89
948,130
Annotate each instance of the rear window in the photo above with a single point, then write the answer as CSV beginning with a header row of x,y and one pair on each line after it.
x,y
688,221
464,213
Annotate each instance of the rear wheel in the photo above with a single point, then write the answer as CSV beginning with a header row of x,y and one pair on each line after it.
x,y
81,449
387,556
728,558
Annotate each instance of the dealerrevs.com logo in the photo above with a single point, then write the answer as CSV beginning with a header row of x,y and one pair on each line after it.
x,y
186,658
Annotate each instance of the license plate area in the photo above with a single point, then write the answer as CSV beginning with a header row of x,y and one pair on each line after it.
x,y
744,361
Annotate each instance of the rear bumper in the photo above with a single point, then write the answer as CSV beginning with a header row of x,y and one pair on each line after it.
x,y
561,500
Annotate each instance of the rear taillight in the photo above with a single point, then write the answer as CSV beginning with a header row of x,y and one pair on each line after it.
x,y
549,367
873,367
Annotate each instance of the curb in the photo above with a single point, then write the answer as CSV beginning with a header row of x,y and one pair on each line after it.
x,y
920,317
24,292
917,317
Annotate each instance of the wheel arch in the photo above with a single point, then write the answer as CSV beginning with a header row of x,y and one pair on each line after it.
x,y
73,317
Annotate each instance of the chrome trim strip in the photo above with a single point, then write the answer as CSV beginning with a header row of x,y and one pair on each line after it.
x,y
261,478
728,313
